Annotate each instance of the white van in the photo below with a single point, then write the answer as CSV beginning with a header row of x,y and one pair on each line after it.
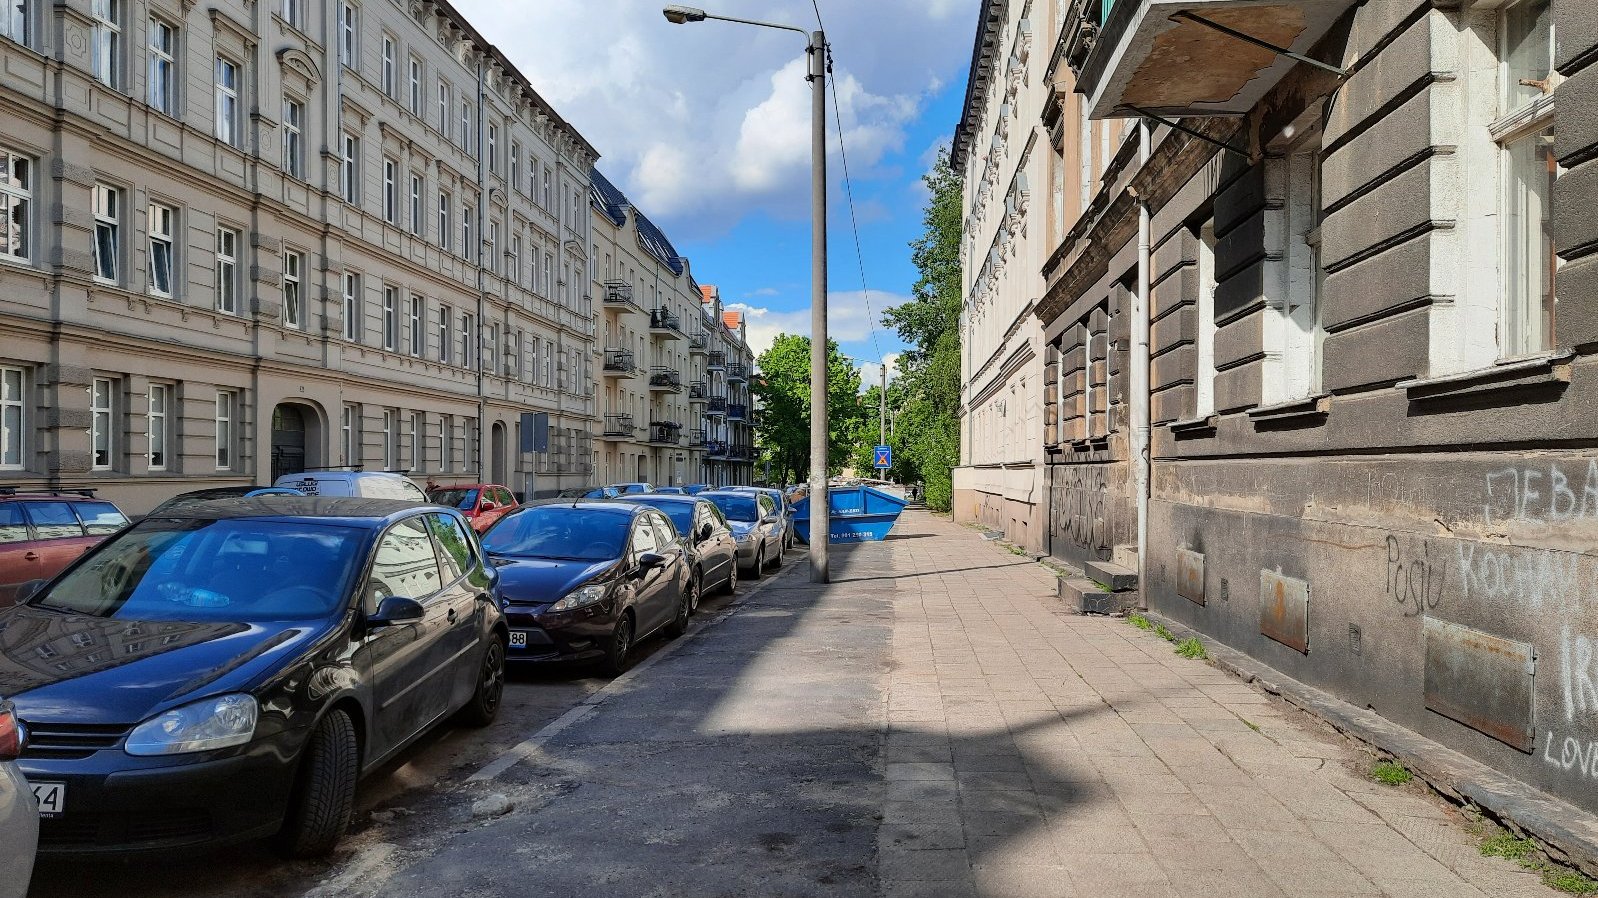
x,y
362,484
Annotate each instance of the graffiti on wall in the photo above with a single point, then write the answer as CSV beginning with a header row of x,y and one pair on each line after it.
x,y
1079,510
1578,681
1555,493
1414,579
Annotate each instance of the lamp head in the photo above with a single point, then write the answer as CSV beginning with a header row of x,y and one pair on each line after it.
x,y
682,15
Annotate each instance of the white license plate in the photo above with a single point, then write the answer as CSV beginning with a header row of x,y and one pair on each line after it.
x,y
51,798
518,639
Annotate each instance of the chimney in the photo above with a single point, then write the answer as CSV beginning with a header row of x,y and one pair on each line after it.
x,y
710,295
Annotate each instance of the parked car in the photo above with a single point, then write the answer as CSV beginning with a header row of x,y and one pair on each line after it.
x,y
481,503
194,497
757,525
43,532
589,492
19,815
784,509
357,484
587,581
230,670
712,548
694,489
633,489
670,490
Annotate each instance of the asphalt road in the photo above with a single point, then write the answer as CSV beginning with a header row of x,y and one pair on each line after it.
x,y
397,808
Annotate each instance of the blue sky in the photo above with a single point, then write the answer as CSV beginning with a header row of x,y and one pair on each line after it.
x,y
706,127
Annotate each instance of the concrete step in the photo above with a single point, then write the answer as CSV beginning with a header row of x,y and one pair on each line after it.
x,y
1114,576
1087,597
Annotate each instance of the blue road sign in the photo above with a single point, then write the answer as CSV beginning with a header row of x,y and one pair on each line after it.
x,y
884,457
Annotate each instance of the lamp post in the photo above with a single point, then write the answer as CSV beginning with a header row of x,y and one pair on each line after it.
x,y
817,50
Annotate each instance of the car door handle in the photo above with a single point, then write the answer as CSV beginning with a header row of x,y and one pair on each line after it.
x,y
30,556
450,615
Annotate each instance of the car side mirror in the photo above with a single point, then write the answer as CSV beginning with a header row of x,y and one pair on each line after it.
x,y
28,590
651,560
705,530
487,506
396,610
769,519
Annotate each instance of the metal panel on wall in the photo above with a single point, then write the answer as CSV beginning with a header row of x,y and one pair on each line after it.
x,y
1485,682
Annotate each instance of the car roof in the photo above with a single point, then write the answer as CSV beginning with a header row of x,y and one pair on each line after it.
x,y
589,504
342,475
467,486
355,512
652,498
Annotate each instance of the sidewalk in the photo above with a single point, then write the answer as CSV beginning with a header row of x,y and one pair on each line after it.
x,y
933,724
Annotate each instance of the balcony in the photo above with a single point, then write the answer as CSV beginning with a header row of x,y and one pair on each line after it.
x,y
697,391
619,364
699,342
665,433
665,325
1189,57
737,373
716,449
737,412
619,296
716,406
716,361
741,453
618,427
664,380
697,439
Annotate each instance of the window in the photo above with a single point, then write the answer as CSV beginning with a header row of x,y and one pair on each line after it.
x,y
292,13
390,318
467,143
513,354
416,86
390,191
455,547
1525,135
390,438
227,101
417,334
293,138
446,439
107,232
1300,315
491,348
547,195
225,402
468,212
443,107
493,147
160,398
493,246
349,175
390,71
513,260
349,435
472,434
446,345
16,205
444,202
1205,377
162,87
418,431
293,290
405,564
227,264
418,220
347,34
102,394
13,418
515,170
162,222
14,21
352,306
549,274
107,42
467,322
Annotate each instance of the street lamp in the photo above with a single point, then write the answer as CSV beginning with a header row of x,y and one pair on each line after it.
x,y
817,50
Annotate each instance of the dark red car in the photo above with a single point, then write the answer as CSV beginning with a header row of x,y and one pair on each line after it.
x,y
43,532
481,503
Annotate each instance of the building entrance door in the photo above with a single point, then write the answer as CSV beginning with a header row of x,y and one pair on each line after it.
x,y
288,441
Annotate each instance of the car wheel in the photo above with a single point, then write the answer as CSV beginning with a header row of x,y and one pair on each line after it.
x,y
732,577
760,564
321,808
484,705
685,609
619,656
697,584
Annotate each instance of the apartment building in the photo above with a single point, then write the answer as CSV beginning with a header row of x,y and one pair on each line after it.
x,y
1020,135
728,409
1345,256
249,239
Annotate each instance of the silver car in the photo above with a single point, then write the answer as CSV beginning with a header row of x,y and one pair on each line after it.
x,y
784,510
19,813
756,523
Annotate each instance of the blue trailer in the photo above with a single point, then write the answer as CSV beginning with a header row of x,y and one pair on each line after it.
x,y
857,514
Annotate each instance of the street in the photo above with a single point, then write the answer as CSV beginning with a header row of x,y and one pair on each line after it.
x,y
931,723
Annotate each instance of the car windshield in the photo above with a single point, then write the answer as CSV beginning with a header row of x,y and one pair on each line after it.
x,y
235,570
632,489
737,508
463,499
559,531
681,514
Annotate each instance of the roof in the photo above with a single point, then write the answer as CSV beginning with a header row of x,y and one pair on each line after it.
x,y
614,205
610,200
988,20
355,512
654,240
732,320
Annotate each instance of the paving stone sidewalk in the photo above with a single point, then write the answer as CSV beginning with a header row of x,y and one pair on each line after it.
x,y
933,723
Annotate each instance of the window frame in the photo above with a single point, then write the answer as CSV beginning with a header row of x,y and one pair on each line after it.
x,y
391,190
161,82
418,321
17,227
418,215
348,34
107,208
415,75
227,269
418,441
102,423
349,169
105,42
14,406
390,439
350,305
294,137
15,26
390,66
226,435
227,100
293,289
157,429
390,317
155,239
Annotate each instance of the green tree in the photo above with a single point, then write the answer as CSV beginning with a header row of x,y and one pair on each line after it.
x,y
783,389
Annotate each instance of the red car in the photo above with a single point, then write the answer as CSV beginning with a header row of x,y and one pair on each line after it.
x,y
481,503
43,532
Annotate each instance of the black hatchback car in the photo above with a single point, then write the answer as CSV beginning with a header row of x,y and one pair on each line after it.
x,y
705,531
587,581
230,670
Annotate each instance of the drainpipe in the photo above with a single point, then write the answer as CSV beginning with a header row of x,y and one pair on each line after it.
x,y
482,282
1140,367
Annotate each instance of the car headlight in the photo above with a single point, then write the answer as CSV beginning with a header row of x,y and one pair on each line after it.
x,y
581,598
219,722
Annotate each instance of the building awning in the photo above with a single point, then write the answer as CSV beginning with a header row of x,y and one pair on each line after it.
x,y
1197,57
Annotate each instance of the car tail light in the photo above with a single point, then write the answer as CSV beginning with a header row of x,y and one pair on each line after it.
x,y
12,736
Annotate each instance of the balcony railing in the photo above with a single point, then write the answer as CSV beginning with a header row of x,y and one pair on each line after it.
x,y
663,323
737,373
699,342
716,406
737,412
619,363
619,295
619,427
665,380
697,439
665,433
716,448
741,453
698,391
716,361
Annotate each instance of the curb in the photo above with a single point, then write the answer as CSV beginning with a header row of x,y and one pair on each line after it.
x,y
1568,833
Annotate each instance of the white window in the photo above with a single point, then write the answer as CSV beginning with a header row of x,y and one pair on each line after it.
x,y
390,318
102,395
513,262
416,86
347,33
349,173
515,169
13,418
418,431
162,86
292,13
225,402
493,246
468,213
443,107
418,335
160,399
390,70
513,353
390,438
444,202
418,220
349,435
446,344
227,270
1205,376
227,101
1525,135
547,195
491,348
293,138
390,191
163,220
293,290
446,439
1300,320
467,329
467,143
107,232
549,274
14,21
107,41
493,147
352,305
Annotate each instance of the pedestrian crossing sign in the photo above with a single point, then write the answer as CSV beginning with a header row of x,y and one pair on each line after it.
x,y
884,457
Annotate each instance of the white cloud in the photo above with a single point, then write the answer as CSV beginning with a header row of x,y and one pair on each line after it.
x,y
763,291
847,321
871,372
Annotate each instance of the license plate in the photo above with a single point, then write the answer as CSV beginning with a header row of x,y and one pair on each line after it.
x,y
518,639
51,798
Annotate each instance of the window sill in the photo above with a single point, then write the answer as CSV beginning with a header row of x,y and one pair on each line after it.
x,y
1542,370
1292,411
1192,427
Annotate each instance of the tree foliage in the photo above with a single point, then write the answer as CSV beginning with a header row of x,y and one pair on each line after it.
x,y
783,389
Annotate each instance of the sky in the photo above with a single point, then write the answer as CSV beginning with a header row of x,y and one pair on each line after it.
x,y
706,127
